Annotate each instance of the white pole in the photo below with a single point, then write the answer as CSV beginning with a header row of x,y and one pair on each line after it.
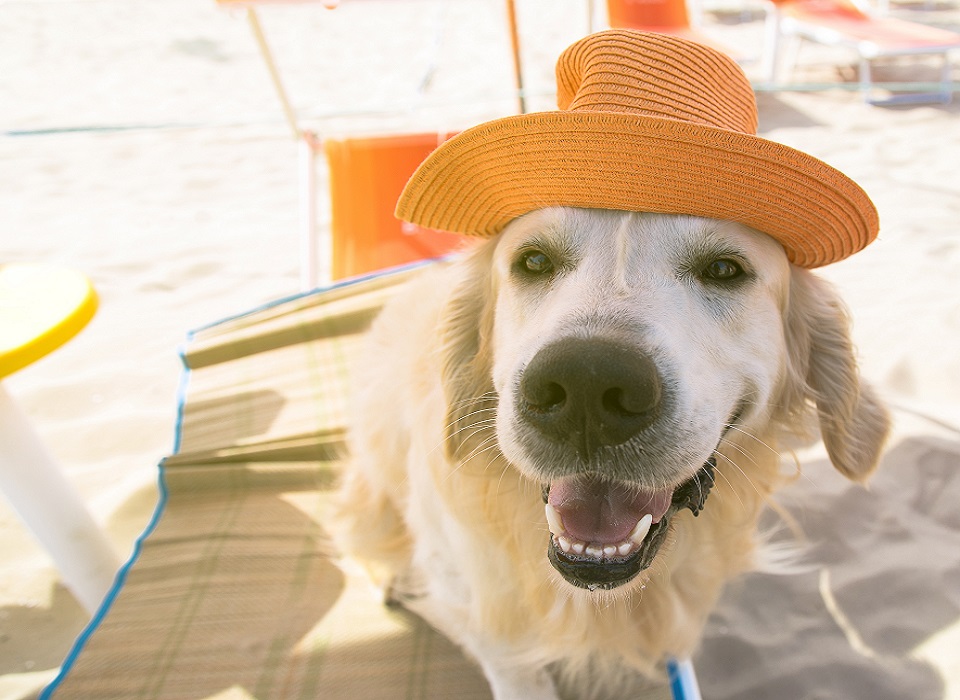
x,y
52,509
314,263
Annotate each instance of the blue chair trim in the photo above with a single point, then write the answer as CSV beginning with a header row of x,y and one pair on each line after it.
x,y
683,680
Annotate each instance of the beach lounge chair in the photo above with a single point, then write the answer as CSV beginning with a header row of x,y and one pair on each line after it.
x,y
327,258
231,592
849,25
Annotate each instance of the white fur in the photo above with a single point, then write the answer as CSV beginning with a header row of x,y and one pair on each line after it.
x,y
443,502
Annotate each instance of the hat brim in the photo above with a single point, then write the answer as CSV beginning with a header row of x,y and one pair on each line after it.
x,y
486,176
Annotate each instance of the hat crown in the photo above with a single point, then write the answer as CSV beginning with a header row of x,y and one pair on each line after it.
x,y
655,75
647,123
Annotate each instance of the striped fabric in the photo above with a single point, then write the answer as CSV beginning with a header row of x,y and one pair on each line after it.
x,y
232,593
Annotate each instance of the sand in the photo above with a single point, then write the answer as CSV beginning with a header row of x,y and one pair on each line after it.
x,y
141,142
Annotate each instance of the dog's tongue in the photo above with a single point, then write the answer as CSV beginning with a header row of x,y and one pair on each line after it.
x,y
602,511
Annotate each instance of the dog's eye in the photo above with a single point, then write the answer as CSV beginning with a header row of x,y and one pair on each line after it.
x,y
535,262
722,270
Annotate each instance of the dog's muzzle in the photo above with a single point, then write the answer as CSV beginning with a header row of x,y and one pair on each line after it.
x,y
584,396
604,533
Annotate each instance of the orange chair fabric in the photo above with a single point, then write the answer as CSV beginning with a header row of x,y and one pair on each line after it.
x,y
664,17
881,35
366,178
637,14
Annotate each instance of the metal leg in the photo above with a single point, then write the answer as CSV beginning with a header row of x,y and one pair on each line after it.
x,y
772,45
265,52
316,256
945,87
781,45
517,61
942,95
866,81
315,259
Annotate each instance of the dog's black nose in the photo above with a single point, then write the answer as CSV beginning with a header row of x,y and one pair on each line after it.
x,y
590,392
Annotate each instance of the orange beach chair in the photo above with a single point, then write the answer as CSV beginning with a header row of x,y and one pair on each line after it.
x,y
662,16
846,24
359,169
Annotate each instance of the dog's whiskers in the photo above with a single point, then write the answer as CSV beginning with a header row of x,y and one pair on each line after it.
x,y
739,469
485,446
493,446
463,423
488,443
486,396
473,401
503,473
747,433
459,419
720,473
474,428
740,450
490,396
466,431
799,473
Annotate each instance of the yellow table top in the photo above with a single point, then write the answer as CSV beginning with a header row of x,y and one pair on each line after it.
x,y
41,308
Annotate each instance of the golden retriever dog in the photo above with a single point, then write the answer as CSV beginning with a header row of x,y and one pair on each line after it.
x,y
565,438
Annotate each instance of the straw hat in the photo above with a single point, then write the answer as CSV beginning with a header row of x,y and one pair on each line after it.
x,y
647,122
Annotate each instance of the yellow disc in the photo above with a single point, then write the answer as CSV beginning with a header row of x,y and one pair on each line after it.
x,y
41,308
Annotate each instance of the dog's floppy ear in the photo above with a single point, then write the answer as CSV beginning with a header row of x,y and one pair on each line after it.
x,y
853,422
466,329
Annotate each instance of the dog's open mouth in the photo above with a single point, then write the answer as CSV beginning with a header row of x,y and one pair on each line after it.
x,y
605,532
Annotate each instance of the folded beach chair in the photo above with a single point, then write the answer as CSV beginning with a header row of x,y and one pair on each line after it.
x,y
324,258
232,591
846,24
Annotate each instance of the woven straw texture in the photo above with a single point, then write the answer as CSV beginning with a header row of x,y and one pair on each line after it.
x,y
234,594
647,122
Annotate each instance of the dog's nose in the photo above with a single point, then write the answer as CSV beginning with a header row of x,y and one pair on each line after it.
x,y
590,392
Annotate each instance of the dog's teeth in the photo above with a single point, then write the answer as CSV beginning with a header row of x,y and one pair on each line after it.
x,y
596,550
554,522
642,528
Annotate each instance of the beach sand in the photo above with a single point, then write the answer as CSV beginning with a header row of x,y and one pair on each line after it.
x,y
141,142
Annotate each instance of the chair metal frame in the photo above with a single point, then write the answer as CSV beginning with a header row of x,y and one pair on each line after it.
x,y
853,26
